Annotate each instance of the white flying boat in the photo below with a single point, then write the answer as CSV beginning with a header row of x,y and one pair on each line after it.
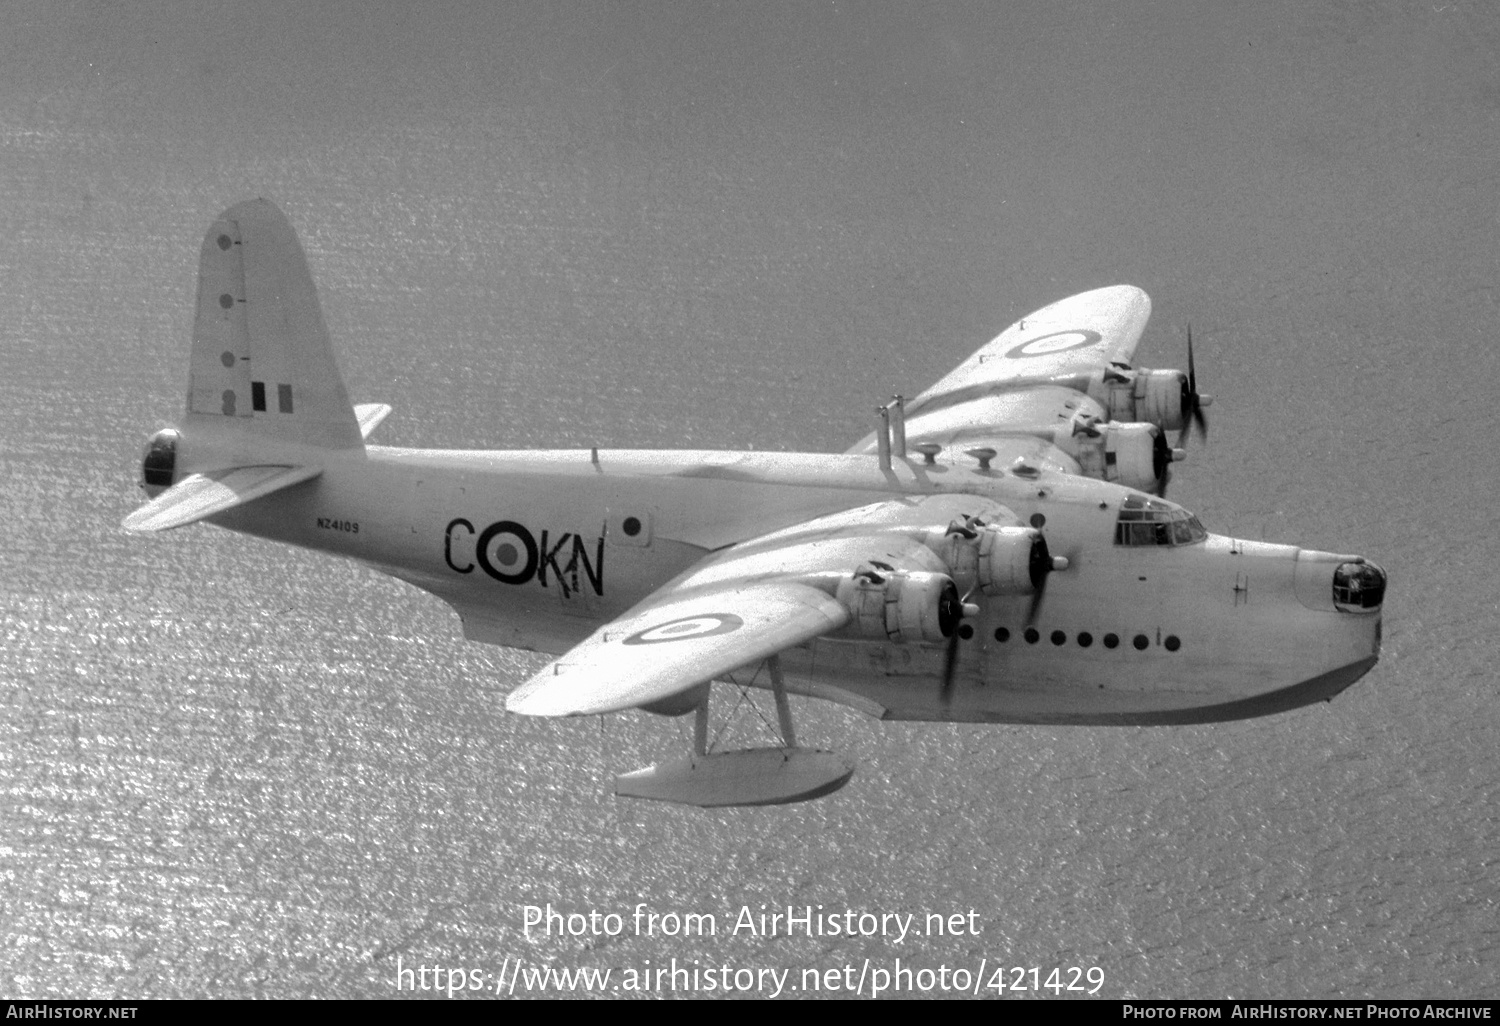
x,y
1000,550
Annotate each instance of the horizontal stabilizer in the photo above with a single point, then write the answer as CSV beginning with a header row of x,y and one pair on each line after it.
x,y
202,495
369,416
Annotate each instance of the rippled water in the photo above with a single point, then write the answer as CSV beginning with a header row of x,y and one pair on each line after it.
x,y
232,769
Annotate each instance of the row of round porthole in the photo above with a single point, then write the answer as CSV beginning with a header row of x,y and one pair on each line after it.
x,y
1141,641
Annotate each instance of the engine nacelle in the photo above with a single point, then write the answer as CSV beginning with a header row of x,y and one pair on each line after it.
x,y
996,560
1135,455
159,468
900,605
1012,560
1152,396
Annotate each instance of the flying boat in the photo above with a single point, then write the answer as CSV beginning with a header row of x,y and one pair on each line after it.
x,y
1000,549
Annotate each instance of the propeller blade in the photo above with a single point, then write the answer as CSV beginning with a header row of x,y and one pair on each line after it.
x,y
1192,402
950,658
1161,462
1041,566
1192,370
950,667
1036,603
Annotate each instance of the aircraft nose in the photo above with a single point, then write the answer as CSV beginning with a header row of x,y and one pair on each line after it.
x,y
1329,581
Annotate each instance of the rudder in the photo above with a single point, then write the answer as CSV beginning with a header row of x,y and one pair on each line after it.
x,y
261,353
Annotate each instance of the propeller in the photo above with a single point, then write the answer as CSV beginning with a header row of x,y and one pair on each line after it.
x,y
1042,564
1193,402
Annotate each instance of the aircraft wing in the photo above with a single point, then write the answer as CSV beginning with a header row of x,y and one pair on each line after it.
x,y
1030,375
744,604
675,644
1071,338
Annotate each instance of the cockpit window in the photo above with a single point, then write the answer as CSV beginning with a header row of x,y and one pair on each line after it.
x,y
1146,521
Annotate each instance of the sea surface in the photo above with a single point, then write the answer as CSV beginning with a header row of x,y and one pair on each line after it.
x,y
233,769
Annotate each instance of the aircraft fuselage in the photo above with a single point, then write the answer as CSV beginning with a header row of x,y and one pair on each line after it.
x,y
536,549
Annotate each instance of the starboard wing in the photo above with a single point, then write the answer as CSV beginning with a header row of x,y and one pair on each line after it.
x,y
668,646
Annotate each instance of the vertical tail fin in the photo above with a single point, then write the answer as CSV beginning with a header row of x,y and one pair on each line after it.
x,y
261,356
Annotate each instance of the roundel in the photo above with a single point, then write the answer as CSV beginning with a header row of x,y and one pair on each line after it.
x,y
687,627
507,552
1057,342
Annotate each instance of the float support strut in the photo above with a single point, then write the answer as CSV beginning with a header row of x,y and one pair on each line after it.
x,y
700,726
783,708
